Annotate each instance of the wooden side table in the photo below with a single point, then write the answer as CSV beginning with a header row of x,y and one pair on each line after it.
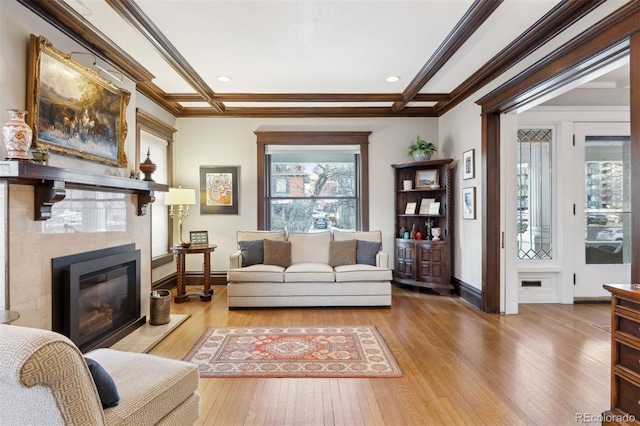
x,y
181,252
8,316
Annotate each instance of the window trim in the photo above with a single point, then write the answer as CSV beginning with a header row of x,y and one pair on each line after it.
x,y
150,124
311,138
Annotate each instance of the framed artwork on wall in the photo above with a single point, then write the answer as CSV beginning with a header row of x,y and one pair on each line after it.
x,y
72,109
219,189
469,203
468,162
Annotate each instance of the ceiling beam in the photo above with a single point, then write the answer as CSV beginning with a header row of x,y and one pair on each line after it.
x,y
66,19
158,96
305,112
306,97
141,22
479,11
558,19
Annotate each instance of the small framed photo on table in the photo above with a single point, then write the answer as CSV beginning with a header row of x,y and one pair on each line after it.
x,y
199,237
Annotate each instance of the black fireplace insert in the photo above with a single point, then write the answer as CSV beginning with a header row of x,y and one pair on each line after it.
x,y
96,296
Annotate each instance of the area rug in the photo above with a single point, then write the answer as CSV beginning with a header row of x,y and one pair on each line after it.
x,y
352,351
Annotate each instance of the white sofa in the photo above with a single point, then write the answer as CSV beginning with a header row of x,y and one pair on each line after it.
x,y
310,280
44,380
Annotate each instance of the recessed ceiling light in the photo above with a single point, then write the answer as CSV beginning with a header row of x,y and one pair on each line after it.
x,y
393,78
224,78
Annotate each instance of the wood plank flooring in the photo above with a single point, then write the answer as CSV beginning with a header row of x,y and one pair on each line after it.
x,y
545,366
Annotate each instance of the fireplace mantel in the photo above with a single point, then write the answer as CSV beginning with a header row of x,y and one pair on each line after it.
x,y
51,183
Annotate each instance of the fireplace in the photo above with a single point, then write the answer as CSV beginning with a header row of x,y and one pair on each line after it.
x,y
96,296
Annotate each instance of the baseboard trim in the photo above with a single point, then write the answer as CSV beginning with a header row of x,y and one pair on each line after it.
x,y
468,293
216,278
604,300
193,278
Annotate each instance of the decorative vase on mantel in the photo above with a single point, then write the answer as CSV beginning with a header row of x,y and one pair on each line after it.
x,y
148,167
17,136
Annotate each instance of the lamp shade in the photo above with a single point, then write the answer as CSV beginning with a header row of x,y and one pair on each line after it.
x,y
180,197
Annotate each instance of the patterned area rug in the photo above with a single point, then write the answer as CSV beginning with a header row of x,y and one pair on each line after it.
x,y
293,352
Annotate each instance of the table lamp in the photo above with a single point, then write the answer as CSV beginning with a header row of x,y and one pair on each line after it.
x,y
179,199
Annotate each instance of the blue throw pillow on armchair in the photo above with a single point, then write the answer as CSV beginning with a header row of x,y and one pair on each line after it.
x,y
105,385
366,252
252,252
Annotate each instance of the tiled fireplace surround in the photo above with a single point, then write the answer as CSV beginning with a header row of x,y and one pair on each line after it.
x,y
30,245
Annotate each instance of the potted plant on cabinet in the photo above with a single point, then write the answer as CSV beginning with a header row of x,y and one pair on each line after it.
x,y
421,150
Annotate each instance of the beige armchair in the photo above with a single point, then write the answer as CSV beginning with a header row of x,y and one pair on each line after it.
x,y
45,380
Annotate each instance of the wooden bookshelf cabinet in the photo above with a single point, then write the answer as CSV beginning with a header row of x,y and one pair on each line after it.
x,y
625,355
423,262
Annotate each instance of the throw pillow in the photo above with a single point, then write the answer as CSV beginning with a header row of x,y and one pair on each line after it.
x,y
107,390
277,253
366,252
252,252
342,252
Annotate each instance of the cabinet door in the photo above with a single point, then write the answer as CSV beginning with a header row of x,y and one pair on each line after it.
x,y
431,263
405,259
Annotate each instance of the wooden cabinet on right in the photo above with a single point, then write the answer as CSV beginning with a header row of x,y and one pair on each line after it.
x,y
625,355
423,206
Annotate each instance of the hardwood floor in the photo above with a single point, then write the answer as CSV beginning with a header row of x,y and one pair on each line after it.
x,y
547,365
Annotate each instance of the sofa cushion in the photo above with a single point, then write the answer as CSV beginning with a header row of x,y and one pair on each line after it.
x,y
361,272
342,252
309,272
106,387
260,235
366,252
310,247
252,252
150,386
257,273
375,236
277,253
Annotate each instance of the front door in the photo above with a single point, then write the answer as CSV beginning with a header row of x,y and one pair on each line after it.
x,y
602,219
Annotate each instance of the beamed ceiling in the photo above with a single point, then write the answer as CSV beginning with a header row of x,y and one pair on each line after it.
x,y
312,58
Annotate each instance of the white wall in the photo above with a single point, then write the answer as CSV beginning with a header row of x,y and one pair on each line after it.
x,y
231,141
455,139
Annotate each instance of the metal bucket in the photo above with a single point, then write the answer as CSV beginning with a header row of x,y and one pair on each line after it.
x,y
160,304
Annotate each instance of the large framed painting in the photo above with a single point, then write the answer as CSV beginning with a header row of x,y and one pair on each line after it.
x,y
219,189
72,109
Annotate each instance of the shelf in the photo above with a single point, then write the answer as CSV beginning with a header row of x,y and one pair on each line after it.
x,y
420,215
51,184
422,190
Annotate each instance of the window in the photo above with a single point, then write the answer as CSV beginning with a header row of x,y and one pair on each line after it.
x,y
534,194
312,181
156,137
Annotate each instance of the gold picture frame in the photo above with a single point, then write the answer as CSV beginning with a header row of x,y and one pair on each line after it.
x,y
426,179
72,109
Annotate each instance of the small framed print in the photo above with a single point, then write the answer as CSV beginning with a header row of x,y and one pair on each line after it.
x,y
411,208
426,178
434,208
469,203
424,205
468,162
199,237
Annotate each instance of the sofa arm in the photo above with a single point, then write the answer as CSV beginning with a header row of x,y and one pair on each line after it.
x,y
46,370
235,260
382,260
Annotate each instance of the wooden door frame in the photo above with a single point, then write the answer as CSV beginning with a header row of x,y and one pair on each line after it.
x,y
617,34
